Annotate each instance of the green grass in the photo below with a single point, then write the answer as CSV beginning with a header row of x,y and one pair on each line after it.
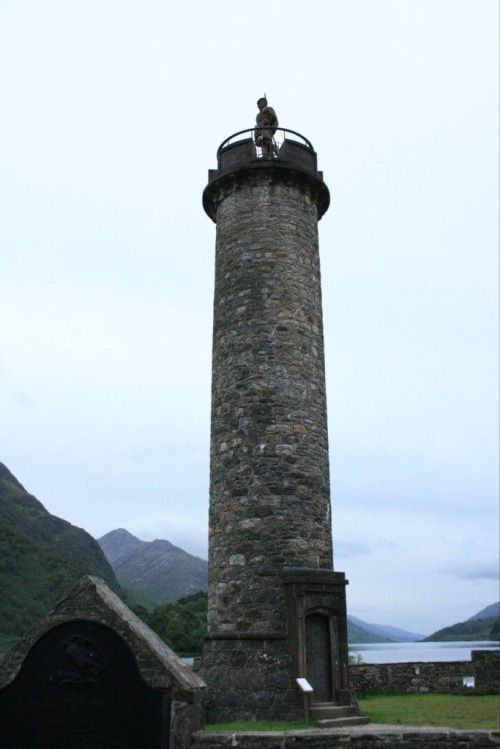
x,y
444,710
238,726
452,711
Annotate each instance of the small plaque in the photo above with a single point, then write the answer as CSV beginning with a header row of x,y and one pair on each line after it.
x,y
304,685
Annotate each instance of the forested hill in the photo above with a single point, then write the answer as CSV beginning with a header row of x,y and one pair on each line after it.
x,y
484,625
41,558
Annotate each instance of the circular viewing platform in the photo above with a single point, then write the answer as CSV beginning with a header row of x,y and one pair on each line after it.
x,y
258,134
265,144
278,149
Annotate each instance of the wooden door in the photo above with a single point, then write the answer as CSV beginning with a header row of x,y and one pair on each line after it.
x,y
319,657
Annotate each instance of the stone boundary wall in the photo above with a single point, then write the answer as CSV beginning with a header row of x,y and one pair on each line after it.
x,y
444,677
487,664
370,737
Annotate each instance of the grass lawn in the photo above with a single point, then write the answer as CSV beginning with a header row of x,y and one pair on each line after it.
x,y
261,725
446,710
453,711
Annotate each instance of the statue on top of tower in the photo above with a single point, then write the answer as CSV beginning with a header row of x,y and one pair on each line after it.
x,y
267,122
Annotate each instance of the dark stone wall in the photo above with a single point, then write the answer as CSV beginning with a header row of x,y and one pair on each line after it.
x,y
250,678
487,670
269,493
369,737
442,677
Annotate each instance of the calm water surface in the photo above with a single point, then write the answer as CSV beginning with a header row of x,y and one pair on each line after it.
x,y
404,652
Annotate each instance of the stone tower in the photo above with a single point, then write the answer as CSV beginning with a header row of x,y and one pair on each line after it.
x,y
276,607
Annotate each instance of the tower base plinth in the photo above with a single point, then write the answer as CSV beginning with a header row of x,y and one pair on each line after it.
x,y
253,676
249,680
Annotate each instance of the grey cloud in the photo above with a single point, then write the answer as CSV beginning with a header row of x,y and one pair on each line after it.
x,y
356,548
474,571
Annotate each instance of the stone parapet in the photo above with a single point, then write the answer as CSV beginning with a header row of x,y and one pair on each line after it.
x,y
374,737
487,670
295,162
442,677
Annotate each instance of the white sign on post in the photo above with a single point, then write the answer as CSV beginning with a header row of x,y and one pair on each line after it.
x,y
304,685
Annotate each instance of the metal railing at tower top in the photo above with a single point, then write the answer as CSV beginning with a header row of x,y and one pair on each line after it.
x,y
278,152
266,146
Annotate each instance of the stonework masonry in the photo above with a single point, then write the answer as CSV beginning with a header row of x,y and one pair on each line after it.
x,y
90,600
270,494
269,485
372,737
443,677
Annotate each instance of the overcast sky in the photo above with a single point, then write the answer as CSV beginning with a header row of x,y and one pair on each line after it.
x,y
112,114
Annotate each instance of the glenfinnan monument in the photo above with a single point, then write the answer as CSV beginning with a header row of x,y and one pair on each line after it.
x,y
276,608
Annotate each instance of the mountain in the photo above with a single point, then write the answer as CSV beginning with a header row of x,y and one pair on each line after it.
x,y
472,629
391,634
153,572
41,557
358,634
485,625
488,612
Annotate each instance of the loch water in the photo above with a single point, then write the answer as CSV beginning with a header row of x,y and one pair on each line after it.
x,y
408,652
412,652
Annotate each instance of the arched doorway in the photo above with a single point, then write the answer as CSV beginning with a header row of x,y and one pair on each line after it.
x,y
319,656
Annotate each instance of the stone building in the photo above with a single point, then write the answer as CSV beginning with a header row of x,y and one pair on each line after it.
x,y
92,675
277,609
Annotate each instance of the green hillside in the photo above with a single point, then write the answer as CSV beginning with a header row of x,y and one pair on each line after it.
x,y
41,557
182,625
472,629
357,634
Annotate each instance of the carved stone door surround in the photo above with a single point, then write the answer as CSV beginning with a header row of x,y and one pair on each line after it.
x,y
318,592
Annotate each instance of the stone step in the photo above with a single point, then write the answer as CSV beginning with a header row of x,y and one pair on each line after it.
x,y
330,710
358,720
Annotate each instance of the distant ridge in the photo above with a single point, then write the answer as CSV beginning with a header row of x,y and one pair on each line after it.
x,y
487,613
41,558
357,634
485,625
392,634
153,572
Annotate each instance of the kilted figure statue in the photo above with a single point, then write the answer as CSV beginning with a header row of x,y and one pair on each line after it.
x,y
267,122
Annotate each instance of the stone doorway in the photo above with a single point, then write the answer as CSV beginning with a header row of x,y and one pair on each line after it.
x,y
317,623
320,637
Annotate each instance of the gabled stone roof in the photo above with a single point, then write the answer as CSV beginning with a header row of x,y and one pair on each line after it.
x,y
92,600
